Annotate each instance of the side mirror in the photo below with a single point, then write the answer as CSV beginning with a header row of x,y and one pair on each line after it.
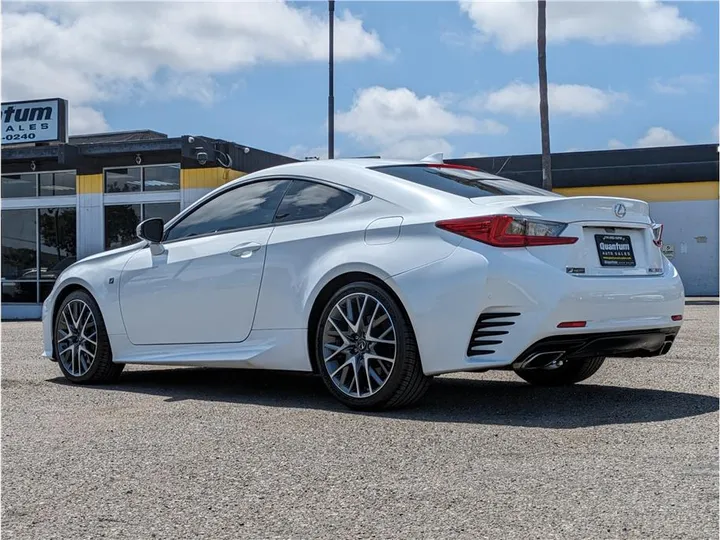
x,y
152,230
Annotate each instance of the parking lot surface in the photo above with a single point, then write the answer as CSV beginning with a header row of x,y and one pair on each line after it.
x,y
190,453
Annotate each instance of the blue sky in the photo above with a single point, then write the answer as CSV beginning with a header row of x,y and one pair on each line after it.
x,y
411,77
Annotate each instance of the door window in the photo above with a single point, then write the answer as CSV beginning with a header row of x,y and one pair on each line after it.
x,y
250,205
309,200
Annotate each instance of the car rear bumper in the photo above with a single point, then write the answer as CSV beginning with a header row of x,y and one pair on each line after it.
x,y
508,301
632,344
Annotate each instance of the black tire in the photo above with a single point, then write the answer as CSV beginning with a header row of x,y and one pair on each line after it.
x,y
102,369
406,382
573,371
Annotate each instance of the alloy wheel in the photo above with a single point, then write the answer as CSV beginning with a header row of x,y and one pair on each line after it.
x,y
76,338
359,345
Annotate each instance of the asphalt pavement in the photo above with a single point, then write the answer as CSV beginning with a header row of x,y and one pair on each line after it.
x,y
228,454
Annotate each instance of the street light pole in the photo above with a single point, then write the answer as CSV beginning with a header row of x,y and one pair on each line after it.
x,y
331,96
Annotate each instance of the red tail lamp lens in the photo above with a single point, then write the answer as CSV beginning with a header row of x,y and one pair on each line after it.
x,y
572,324
508,231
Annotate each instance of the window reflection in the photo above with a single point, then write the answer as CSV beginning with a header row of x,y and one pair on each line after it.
x,y
245,206
19,244
19,185
122,180
57,240
162,178
19,292
121,220
166,211
120,224
58,183
308,200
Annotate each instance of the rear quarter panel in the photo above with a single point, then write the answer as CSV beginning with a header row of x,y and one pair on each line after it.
x,y
303,257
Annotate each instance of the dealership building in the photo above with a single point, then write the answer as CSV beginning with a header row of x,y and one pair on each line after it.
x,y
65,198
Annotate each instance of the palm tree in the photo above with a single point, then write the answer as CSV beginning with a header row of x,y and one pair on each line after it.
x,y
544,120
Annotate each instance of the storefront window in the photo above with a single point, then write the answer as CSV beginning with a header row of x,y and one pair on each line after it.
x,y
57,183
19,185
37,244
123,180
19,244
145,178
34,184
162,178
57,240
120,223
121,220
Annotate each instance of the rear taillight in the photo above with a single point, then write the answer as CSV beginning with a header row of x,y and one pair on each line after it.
x,y
657,230
508,231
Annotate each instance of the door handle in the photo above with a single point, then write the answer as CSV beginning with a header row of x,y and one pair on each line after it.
x,y
245,250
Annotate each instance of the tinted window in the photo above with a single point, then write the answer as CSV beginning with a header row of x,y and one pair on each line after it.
x,y
462,182
19,185
120,223
62,183
162,178
308,200
123,180
19,244
166,211
250,205
57,240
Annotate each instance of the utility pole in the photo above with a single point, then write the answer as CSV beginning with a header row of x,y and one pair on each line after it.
x,y
331,92
544,120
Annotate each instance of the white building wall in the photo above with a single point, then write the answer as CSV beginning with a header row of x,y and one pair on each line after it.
x,y
691,228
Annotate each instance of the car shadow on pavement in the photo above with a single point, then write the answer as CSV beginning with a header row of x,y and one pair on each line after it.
x,y
448,400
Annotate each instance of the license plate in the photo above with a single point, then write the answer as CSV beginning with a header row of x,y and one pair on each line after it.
x,y
615,250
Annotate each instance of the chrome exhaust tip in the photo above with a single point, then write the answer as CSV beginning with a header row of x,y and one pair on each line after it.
x,y
542,360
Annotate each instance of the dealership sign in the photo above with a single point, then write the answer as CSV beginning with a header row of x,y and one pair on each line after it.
x,y
37,121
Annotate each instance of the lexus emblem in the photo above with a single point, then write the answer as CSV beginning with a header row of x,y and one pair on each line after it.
x,y
620,210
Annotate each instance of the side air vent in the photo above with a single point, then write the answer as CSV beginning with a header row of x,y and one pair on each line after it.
x,y
488,332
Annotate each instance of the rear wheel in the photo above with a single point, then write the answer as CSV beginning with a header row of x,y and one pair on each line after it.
x,y
366,350
572,371
82,347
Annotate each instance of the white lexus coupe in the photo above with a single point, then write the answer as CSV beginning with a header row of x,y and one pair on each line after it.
x,y
377,275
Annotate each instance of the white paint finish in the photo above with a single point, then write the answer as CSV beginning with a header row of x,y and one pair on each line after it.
x,y
696,262
383,231
474,280
197,292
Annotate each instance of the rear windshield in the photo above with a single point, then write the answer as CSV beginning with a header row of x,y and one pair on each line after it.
x,y
462,182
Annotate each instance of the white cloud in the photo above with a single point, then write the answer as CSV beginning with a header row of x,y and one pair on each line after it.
x,y
523,99
615,144
94,52
403,124
680,85
659,136
512,24
473,155
85,120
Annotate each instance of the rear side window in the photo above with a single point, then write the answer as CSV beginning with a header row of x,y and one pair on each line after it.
x,y
308,200
462,182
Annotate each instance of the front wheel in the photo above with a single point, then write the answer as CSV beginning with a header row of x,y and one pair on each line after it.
x,y
82,347
571,372
366,350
